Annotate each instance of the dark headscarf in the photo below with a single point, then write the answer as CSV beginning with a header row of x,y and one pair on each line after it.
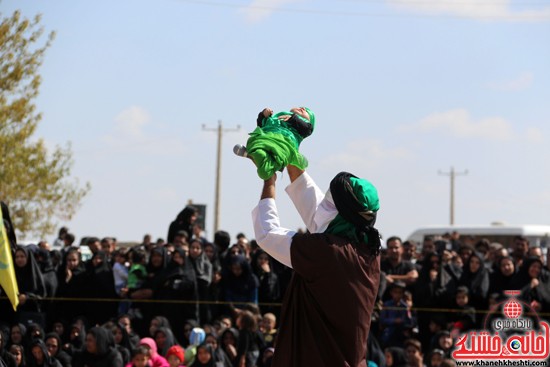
x,y
48,361
103,340
498,282
29,278
165,259
357,203
215,261
34,331
243,284
478,282
170,340
211,362
202,266
522,277
182,222
22,329
78,341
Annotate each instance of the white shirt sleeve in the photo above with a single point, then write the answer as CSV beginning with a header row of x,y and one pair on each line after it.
x,y
316,209
274,239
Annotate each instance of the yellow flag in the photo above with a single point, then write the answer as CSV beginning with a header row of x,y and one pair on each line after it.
x,y
7,274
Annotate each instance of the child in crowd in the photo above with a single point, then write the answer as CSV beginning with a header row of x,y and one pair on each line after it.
x,y
269,321
140,357
136,276
196,338
175,356
205,356
137,273
436,358
465,317
120,271
395,316
155,360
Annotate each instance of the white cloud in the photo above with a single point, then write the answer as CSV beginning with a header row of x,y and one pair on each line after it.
x,y
259,10
130,122
459,123
488,10
128,134
523,81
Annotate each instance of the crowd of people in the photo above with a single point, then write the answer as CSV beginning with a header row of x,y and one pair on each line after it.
x,y
188,301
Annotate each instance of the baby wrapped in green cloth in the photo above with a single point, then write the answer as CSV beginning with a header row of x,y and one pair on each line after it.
x,y
275,142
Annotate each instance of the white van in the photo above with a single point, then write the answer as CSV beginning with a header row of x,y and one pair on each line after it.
x,y
537,235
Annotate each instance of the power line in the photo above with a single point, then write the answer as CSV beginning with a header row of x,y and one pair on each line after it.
x,y
519,17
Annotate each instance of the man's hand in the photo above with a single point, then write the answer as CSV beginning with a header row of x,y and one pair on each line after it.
x,y
268,191
267,112
294,172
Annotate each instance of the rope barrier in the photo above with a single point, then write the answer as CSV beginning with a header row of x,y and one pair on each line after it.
x,y
272,304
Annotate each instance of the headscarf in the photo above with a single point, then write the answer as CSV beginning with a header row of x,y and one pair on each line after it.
x,y
48,360
29,277
169,342
182,222
59,342
357,203
151,269
202,265
22,330
103,339
242,285
522,277
209,349
499,282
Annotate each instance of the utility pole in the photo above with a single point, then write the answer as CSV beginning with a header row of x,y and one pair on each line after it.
x,y
220,130
452,174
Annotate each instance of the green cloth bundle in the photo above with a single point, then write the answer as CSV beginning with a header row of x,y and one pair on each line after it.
x,y
275,145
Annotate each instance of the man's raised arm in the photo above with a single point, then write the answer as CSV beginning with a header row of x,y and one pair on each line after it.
x,y
316,209
269,234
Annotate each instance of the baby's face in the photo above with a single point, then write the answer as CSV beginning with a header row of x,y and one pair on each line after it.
x,y
301,111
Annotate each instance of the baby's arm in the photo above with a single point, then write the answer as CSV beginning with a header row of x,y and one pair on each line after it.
x,y
266,112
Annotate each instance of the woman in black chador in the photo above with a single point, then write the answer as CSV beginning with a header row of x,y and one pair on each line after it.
x,y
178,282
100,284
31,287
184,221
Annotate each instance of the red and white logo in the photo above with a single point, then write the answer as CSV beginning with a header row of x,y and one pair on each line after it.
x,y
510,338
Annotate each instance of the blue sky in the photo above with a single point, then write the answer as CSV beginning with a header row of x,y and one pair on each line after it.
x,y
401,90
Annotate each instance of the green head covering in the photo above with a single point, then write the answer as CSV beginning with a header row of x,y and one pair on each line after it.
x,y
311,117
357,202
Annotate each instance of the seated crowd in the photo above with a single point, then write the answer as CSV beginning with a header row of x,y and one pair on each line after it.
x,y
192,302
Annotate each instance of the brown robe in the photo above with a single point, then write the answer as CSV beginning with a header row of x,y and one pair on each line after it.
x,y
327,308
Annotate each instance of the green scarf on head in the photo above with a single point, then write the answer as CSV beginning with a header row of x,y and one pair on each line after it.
x,y
367,195
275,145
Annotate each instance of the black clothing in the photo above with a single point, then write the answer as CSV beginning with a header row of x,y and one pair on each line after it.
x,y
177,282
182,223
105,356
100,284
